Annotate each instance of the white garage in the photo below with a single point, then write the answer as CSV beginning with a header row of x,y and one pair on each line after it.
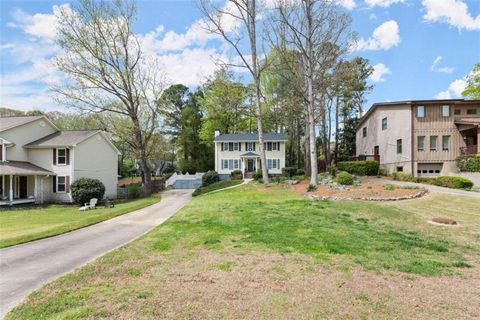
x,y
429,169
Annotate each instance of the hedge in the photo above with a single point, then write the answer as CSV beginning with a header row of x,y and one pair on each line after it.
x,y
210,177
344,178
469,163
360,168
289,172
84,189
236,175
452,182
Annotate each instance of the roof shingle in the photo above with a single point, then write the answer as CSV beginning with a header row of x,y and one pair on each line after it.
x,y
61,138
12,122
251,137
21,168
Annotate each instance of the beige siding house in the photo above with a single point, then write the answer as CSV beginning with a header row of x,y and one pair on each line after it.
x,y
241,152
38,162
422,137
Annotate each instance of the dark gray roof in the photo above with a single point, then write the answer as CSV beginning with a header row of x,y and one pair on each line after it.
x,y
21,168
12,122
251,137
61,138
250,154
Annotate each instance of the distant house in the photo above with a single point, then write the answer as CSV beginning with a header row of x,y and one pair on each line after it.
x,y
241,152
38,162
421,137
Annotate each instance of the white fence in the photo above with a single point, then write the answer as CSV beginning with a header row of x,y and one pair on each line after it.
x,y
185,181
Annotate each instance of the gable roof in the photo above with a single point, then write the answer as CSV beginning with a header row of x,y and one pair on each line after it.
x,y
22,167
7,123
61,139
251,137
409,103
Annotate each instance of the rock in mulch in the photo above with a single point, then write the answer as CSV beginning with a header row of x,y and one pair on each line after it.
x,y
445,221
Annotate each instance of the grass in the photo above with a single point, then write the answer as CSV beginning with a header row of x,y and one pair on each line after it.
x,y
265,252
216,186
27,224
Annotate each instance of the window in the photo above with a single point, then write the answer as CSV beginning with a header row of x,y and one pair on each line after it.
x,y
224,164
61,184
457,112
420,143
61,156
273,163
275,146
269,146
399,169
399,146
364,132
235,164
225,146
446,110
250,146
384,124
445,143
471,111
421,112
235,146
230,146
433,143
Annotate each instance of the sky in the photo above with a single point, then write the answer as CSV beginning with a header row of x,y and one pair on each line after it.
x,y
420,49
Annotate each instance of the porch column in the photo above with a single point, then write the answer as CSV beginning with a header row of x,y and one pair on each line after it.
x,y
478,139
35,188
11,188
3,185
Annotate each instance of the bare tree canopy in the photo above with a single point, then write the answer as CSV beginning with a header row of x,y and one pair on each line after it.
x,y
107,71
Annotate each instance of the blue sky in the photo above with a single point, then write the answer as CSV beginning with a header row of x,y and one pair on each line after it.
x,y
421,49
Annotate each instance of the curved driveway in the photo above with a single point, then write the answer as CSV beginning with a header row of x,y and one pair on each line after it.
x,y
26,267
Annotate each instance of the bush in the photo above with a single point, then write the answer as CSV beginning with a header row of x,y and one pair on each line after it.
x,y
360,168
344,178
403,176
289,171
300,172
210,177
311,188
257,175
332,169
133,191
187,165
236,175
469,163
389,187
453,182
84,189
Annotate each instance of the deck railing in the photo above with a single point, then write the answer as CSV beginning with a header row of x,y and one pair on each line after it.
x,y
364,157
468,150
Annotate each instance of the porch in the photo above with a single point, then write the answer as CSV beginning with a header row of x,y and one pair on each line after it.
x,y
250,162
469,128
21,183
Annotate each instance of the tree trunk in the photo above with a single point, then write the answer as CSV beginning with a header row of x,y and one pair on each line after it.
x,y
335,154
306,158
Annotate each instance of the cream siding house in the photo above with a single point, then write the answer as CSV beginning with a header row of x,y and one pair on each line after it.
x,y
241,152
39,162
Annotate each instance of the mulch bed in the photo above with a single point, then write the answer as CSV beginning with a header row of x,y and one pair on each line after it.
x,y
370,191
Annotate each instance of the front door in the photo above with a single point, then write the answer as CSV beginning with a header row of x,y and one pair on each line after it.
x,y
22,187
250,165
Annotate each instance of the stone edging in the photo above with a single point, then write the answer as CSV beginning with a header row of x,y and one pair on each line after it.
x,y
419,194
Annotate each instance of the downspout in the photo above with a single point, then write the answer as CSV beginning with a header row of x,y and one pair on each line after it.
x,y
412,142
72,170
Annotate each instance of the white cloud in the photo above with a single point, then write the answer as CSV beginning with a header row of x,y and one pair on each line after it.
x,y
385,36
379,72
454,90
347,4
372,16
382,3
452,12
435,68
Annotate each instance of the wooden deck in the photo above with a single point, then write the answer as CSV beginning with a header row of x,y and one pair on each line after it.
x,y
16,201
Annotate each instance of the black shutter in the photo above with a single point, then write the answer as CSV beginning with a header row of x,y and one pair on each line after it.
x,y
54,156
221,145
239,146
67,152
54,179
67,184
254,146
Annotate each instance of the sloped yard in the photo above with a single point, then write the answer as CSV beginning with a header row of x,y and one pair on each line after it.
x,y
266,252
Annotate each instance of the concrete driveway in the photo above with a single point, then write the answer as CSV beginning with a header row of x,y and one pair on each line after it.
x,y
26,267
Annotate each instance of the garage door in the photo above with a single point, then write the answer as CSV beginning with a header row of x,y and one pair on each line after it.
x,y
429,169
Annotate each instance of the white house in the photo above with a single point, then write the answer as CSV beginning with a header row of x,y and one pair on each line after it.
x,y
241,152
38,162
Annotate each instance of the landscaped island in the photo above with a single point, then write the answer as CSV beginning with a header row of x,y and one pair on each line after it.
x,y
266,252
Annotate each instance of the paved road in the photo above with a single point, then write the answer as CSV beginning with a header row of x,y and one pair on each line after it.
x,y
429,187
28,266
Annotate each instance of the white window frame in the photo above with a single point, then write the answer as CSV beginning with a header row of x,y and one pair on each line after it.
x,y
448,143
423,113
250,146
446,107
436,143
64,184
235,146
224,161
274,146
58,157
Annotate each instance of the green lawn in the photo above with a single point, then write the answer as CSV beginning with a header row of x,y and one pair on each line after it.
x,y
217,186
26,224
265,252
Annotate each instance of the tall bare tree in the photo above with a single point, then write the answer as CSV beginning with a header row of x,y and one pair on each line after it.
x,y
237,24
107,71
320,33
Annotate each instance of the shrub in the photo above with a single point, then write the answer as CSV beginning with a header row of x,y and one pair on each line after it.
x,y
210,177
236,175
453,182
389,187
300,172
403,176
344,178
187,166
469,163
361,168
257,175
84,189
278,179
133,191
289,171
332,169
311,188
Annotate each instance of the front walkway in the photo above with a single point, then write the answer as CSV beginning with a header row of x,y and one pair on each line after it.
x,y
429,187
26,267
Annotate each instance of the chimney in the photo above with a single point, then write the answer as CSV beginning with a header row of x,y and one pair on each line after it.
x,y
217,132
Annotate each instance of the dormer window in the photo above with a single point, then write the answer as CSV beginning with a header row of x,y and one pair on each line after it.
x,y
61,156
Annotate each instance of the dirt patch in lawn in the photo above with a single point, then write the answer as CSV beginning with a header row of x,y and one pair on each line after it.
x,y
206,284
372,191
